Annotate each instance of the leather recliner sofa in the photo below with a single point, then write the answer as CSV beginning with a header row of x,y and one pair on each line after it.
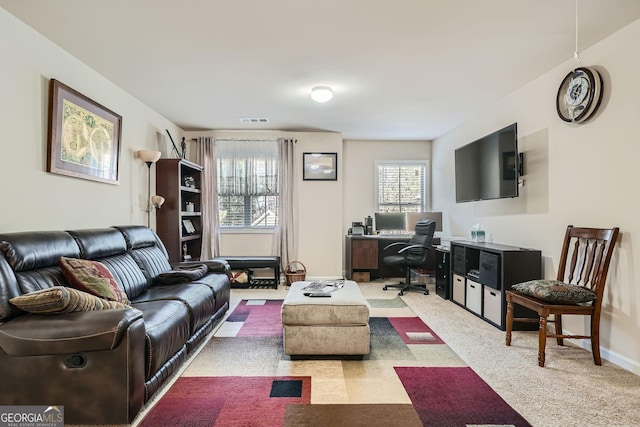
x,y
102,365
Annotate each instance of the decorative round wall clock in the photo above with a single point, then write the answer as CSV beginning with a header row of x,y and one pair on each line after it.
x,y
579,95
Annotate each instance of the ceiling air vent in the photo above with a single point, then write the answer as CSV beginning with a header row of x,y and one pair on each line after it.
x,y
253,120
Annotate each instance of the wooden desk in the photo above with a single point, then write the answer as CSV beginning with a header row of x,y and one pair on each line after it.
x,y
366,253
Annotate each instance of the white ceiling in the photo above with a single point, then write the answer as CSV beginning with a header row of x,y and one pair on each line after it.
x,y
400,69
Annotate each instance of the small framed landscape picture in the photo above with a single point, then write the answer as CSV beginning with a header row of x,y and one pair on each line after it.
x,y
84,136
320,166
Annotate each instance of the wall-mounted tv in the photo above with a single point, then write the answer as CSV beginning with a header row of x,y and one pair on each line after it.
x,y
488,167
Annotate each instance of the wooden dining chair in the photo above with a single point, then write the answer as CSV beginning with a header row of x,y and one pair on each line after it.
x,y
578,290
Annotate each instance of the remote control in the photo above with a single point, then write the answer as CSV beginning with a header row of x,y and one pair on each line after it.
x,y
317,294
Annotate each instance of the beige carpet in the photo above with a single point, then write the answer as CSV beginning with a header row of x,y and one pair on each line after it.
x,y
569,391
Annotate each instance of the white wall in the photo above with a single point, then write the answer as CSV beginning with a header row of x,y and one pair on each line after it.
x,y
34,199
359,172
575,174
319,207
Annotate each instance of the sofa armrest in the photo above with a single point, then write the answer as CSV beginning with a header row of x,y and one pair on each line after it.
x,y
35,335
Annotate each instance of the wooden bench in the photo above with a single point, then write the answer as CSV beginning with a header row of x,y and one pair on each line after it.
x,y
251,262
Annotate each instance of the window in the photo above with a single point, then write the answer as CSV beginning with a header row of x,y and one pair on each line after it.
x,y
247,181
401,186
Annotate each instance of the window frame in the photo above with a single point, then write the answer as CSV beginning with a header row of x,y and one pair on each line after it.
x,y
426,180
248,229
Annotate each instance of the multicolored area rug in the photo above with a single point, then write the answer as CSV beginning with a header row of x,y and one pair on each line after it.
x,y
410,378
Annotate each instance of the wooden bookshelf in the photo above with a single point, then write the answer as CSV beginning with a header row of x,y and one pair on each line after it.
x,y
179,181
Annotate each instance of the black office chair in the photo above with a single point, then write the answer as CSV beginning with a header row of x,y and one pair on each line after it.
x,y
412,254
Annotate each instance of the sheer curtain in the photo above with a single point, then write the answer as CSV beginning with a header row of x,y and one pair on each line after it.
x,y
285,239
210,221
247,167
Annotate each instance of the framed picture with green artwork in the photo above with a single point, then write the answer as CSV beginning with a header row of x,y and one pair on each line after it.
x,y
84,136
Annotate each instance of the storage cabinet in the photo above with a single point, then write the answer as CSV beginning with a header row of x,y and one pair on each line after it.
x,y
361,258
179,220
443,273
484,271
364,255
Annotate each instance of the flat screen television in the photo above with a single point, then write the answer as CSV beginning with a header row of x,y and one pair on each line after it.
x,y
488,167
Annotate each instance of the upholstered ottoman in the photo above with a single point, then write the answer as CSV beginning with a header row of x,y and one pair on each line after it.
x,y
338,325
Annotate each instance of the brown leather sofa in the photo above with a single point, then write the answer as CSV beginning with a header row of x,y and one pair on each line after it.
x,y
103,365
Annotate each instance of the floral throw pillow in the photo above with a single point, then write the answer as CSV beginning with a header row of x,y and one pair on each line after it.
x,y
60,299
92,277
556,292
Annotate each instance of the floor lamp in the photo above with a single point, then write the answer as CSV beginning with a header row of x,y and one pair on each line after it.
x,y
149,157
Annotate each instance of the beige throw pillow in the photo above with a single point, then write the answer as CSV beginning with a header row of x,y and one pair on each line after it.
x,y
60,299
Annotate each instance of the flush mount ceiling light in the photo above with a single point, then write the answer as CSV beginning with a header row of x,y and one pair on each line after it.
x,y
321,93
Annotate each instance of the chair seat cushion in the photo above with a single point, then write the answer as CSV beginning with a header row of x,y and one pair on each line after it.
x,y
555,291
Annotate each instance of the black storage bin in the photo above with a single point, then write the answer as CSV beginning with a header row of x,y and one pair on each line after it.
x,y
443,273
490,269
459,261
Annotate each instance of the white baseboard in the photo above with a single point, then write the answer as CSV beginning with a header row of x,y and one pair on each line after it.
x,y
611,356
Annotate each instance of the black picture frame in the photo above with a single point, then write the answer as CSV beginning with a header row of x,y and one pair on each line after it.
x,y
319,166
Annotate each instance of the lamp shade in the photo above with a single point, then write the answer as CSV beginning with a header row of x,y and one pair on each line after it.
x,y
157,201
149,156
321,93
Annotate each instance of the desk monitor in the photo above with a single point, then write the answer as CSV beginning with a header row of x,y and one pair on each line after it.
x,y
391,221
413,217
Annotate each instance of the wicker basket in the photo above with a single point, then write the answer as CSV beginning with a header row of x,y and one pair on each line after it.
x,y
295,272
